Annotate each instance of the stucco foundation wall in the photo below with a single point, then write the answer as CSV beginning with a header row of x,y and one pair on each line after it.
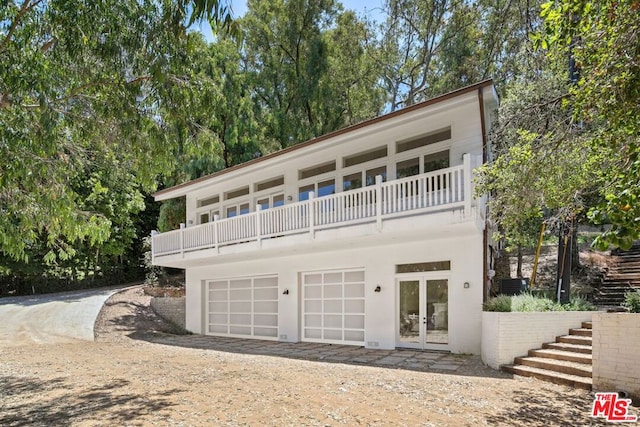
x,y
509,335
172,309
616,353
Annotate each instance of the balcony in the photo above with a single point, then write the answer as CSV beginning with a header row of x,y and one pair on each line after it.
x,y
445,191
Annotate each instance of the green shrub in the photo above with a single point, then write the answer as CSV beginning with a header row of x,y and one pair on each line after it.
x,y
579,304
632,301
527,303
501,303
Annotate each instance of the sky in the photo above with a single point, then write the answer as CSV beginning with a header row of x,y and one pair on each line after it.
x,y
370,8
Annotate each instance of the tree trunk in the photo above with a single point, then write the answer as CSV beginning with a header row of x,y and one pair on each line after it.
x,y
519,267
502,267
575,251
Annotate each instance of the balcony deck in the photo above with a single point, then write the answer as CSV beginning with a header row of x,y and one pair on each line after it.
x,y
354,213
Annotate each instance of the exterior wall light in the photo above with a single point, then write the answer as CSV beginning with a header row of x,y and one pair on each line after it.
x,y
466,285
286,292
377,289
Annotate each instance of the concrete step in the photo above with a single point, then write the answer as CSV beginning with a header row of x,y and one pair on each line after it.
x,y
556,365
550,376
574,339
586,349
570,356
587,325
583,332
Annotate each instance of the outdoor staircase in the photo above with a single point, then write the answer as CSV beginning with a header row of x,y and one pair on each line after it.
x,y
566,361
622,274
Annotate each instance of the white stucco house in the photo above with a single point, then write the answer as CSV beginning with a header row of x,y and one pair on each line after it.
x,y
368,236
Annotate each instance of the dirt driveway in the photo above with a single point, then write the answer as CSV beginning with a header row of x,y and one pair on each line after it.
x,y
126,378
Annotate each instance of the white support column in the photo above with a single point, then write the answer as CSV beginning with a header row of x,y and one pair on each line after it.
x,y
182,227
379,202
259,224
312,215
467,184
215,233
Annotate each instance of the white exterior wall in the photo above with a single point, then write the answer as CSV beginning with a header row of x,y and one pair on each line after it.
x,y
381,319
616,346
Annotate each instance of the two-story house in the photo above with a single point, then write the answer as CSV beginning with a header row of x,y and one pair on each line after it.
x,y
369,235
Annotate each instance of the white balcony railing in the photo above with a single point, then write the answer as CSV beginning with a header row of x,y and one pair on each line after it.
x,y
443,189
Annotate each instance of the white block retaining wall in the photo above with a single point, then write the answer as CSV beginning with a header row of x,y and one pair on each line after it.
x,y
616,353
509,335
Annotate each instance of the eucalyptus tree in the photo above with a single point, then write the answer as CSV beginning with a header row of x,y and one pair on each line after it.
x,y
303,82
429,48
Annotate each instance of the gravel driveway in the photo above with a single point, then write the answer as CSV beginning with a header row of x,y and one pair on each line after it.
x,y
127,377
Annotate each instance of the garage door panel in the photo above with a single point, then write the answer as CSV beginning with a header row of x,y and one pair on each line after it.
x,y
354,276
265,282
352,290
353,335
245,307
265,306
354,321
354,306
333,321
266,294
240,295
265,332
240,284
265,319
333,306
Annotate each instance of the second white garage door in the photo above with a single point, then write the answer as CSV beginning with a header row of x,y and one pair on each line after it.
x,y
333,307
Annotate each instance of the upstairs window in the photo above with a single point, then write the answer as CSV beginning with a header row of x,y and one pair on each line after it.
x,y
317,170
208,201
269,184
431,138
407,168
435,161
324,188
367,156
236,193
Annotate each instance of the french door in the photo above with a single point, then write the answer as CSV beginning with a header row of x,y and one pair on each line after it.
x,y
423,312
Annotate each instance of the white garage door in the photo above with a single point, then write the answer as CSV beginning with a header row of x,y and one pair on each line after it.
x,y
333,307
243,307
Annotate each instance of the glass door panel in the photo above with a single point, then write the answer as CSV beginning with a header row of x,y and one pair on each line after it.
x,y
437,311
409,301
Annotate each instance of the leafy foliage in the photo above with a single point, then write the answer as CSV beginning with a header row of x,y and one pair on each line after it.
x,y
632,301
79,79
604,38
531,303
